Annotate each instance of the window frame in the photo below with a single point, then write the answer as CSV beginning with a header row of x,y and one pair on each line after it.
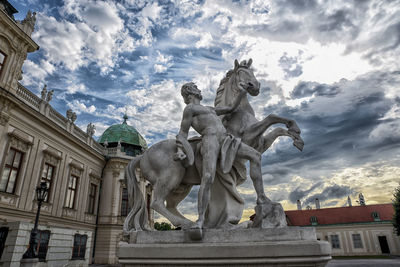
x,y
42,247
71,189
124,202
335,241
3,234
313,220
92,198
357,243
78,247
2,64
47,180
11,168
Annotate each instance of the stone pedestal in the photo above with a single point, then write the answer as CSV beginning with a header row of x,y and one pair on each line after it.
x,y
288,246
29,262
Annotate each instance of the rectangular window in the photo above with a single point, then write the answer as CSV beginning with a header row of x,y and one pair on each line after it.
x,y
79,249
2,60
124,202
47,176
92,198
71,192
43,244
3,237
357,242
11,171
335,241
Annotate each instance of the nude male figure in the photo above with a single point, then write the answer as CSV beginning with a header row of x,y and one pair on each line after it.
x,y
206,122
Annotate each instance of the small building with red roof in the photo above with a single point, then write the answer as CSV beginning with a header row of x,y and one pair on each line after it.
x,y
353,230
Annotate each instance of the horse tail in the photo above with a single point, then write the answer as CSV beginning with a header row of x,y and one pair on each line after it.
x,y
137,219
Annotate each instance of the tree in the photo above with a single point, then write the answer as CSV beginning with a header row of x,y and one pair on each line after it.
x,y
396,206
164,226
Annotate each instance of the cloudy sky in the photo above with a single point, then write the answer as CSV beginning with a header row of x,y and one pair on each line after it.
x,y
333,66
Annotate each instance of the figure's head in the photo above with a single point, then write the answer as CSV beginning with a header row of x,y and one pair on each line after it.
x,y
190,89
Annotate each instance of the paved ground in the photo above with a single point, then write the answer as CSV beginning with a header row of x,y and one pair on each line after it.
x,y
364,262
333,263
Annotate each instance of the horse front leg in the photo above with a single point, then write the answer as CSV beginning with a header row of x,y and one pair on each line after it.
x,y
254,131
269,139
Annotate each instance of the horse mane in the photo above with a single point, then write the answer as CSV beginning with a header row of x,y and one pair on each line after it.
x,y
220,91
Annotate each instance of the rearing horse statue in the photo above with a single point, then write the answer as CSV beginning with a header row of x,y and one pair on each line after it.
x,y
172,181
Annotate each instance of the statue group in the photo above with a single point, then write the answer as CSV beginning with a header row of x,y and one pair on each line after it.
x,y
230,135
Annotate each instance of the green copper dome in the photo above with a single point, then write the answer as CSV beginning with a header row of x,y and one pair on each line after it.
x,y
124,133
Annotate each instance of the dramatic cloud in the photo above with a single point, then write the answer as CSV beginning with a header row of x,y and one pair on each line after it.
x,y
333,66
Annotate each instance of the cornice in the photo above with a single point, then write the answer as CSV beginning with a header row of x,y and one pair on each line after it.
x,y
44,120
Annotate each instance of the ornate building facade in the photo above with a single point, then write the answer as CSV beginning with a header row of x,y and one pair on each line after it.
x,y
81,219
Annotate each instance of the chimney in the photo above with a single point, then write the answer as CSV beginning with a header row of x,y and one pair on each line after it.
x,y
317,206
361,199
349,201
298,204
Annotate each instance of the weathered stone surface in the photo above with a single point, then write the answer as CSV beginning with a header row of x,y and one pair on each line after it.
x,y
268,253
226,236
269,215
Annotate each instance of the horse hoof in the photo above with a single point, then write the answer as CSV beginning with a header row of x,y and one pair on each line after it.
x,y
195,234
299,144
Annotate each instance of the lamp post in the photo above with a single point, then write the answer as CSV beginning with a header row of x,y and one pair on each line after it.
x,y
41,194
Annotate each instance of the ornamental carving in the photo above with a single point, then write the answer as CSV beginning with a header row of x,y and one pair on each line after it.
x,y
5,108
75,171
116,167
20,140
51,156
76,168
10,200
51,159
19,144
95,176
69,212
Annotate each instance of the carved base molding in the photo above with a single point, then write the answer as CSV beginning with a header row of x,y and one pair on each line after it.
x,y
289,246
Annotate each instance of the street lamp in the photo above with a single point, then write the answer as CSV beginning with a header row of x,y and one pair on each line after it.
x,y
41,194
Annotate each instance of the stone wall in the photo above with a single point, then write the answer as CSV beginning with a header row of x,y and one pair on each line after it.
x,y
60,245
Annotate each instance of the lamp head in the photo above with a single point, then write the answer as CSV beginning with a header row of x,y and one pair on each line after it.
x,y
41,191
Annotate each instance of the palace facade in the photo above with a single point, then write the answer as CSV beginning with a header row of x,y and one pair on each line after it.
x,y
81,219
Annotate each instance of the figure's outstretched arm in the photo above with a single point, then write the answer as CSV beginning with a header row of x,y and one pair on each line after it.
x,y
229,109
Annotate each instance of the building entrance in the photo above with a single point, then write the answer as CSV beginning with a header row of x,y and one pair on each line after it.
x,y
384,245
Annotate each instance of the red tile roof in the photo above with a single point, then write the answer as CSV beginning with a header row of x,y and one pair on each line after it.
x,y
343,215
